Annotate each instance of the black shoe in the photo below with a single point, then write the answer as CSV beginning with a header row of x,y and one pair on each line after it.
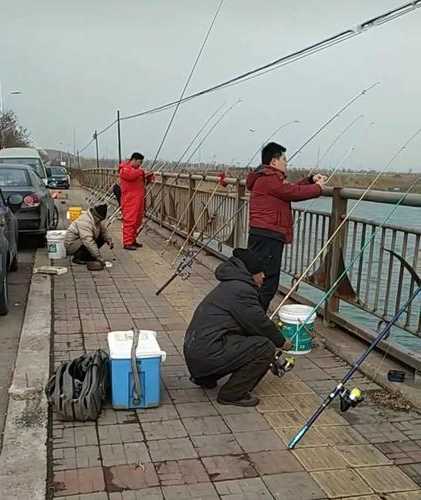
x,y
204,384
138,245
246,401
130,247
78,261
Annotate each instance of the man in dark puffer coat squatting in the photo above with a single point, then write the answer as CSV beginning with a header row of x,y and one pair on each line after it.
x,y
231,334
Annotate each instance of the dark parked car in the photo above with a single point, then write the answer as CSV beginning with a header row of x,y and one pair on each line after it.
x,y
38,212
58,178
8,243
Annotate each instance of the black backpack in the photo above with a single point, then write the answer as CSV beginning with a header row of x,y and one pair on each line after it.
x,y
78,388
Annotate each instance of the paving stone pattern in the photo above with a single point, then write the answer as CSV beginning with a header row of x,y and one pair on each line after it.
x,y
190,447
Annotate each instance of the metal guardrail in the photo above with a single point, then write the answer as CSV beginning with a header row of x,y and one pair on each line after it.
x,y
377,283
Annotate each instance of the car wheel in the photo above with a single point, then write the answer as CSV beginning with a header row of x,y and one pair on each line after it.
x,y
14,264
53,223
4,299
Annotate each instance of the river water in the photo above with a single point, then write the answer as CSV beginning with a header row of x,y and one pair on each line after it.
x,y
403,217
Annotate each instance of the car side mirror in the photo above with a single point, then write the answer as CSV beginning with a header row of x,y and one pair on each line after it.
x,y
15,201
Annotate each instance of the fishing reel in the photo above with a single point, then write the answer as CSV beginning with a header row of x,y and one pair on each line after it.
x,y
281,366
350,398
184,264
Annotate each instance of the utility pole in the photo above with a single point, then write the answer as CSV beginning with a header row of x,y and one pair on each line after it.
x,y
119,136
96,148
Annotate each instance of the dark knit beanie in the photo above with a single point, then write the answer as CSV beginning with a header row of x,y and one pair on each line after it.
x,y
251,260
100,211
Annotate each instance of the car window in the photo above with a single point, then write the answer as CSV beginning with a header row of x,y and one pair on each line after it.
x,y
34,163
58,171
14,177
37,182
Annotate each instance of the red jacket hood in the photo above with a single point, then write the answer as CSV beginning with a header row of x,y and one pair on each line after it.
x,y
262,170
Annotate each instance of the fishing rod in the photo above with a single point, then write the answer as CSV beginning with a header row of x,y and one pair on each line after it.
x,y
224,114
309,50
351,398
192,198
341,134
363,247
178,164
114,215
333,117
103,196
197,187
339,164
318,131
196,62
184,267
269,138
354,397
171,121
314,48
342,223
212,195
186,262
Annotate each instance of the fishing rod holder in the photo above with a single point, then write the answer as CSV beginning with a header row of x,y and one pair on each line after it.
x,y
280,367
184,264
350,398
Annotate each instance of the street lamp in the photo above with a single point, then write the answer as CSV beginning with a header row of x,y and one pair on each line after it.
x,y
13,92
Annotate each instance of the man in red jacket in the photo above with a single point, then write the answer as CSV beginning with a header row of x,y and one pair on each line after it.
x,y
132,182
271,223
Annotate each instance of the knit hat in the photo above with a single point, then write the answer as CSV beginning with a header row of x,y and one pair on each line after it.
x,y
254,264
100,211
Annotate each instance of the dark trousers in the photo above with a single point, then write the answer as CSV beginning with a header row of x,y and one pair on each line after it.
x,y
245,378
270,250
84,254
117,193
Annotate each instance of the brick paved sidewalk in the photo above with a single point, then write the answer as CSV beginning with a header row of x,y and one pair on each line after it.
x,y
191,447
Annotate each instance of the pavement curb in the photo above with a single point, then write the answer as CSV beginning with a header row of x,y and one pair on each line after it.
x,y
23,461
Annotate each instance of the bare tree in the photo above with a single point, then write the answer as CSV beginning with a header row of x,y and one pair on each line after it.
x,y
12,135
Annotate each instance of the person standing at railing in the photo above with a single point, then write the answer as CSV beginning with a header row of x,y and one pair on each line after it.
x,y
271,221
132,183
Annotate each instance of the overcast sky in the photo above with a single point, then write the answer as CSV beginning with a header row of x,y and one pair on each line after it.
x,y
77,62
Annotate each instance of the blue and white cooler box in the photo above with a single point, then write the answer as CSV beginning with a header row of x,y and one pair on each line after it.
x,y
148,361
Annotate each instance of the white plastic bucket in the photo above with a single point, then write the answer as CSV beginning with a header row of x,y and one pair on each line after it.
x,y
55,244
297,324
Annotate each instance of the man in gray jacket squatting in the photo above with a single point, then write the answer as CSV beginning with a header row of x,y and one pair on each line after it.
x,y
86,235
231,334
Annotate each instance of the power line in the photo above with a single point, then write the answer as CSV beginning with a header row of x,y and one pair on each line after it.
x,y
307,51
294,56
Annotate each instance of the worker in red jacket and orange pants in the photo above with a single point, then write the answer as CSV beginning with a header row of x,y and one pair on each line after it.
x,y
132,182
271,221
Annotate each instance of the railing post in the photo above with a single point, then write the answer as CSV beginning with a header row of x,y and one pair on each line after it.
x,y
190,213
162,201
333,258
241,192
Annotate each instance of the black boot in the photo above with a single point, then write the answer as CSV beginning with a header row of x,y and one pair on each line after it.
x,y
247,401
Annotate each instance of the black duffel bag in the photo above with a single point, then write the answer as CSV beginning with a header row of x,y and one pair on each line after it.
x,y
78,388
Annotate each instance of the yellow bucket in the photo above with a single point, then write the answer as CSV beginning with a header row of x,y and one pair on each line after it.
x,y
74,213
